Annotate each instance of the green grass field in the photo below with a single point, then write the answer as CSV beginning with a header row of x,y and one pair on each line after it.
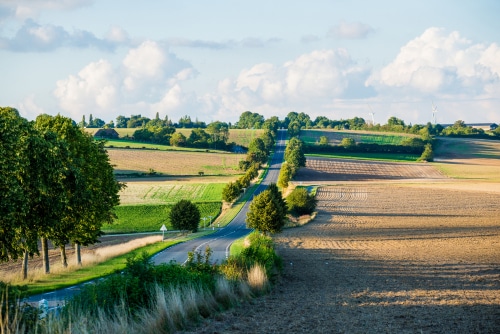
x,y
335,137
371,156
150,218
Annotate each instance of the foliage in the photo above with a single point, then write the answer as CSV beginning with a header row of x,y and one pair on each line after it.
x,y
231,192
249,120
14,178
134,284
300,202
266,213
347,143
428,154
178,139
257,151
90,184
260,250
285,176
185,216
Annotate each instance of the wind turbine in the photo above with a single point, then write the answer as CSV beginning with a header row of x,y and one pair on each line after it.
x,y
434,111
372,114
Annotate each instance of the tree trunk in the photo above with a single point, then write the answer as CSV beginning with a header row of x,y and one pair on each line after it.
x,y
64,259
78,255
45,252
25,265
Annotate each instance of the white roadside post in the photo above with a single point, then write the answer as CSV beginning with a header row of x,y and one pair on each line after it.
x,y
204,220
163,229
210,221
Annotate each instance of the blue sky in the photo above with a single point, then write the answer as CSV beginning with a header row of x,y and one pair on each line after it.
x,y
213,60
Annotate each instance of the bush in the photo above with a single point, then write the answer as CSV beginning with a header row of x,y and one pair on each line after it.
x,y
299,202
428,154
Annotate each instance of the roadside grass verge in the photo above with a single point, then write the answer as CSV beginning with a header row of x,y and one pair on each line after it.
x,y
370,156
147,298
93,271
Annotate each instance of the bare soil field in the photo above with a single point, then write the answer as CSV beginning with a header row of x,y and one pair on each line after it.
x,y
393,249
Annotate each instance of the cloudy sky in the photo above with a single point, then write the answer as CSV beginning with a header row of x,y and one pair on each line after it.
x,y
213,60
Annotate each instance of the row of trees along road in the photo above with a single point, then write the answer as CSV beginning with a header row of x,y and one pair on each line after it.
x,y
56,183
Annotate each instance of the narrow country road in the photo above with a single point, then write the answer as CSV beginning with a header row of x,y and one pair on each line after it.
x,y
220,241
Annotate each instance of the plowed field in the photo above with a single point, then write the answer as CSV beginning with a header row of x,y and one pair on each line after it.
x,y
403,250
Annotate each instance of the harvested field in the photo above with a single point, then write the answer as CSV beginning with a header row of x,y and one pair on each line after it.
x,y
384,259
402,249
321,170
175,163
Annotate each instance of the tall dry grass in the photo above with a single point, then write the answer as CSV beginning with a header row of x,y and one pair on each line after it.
x,y
89,258
257,279
172,309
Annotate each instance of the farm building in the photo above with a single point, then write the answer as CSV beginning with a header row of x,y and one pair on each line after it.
x,y
107,133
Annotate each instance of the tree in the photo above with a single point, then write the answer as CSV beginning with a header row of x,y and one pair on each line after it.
x,y
250,120
300,202
89,184
198,138
257,151
347,142
294,153
178,139
14,167
46,197
121,121
286,174
323,141
231,192
273,188
265,213
185,216
428,154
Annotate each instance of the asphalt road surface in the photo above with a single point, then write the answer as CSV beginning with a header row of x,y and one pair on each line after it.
x,y
220,241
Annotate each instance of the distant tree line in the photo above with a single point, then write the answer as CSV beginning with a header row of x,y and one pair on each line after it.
x,y
56,183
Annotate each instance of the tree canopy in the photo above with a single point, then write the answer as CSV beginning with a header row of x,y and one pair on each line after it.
x,y
267,212
185,216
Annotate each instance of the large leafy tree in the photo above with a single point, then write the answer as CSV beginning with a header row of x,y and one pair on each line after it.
x,y
266,213
14,172
257,151
90,186
250,120
231,192
46,197
185,216
294,153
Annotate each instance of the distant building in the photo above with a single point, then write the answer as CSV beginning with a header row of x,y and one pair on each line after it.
x,y
107,133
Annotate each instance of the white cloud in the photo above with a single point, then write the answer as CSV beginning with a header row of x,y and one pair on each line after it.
x,y
440,63
355,30
147,79
93,88
29,108
311,82
33,37
25,9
